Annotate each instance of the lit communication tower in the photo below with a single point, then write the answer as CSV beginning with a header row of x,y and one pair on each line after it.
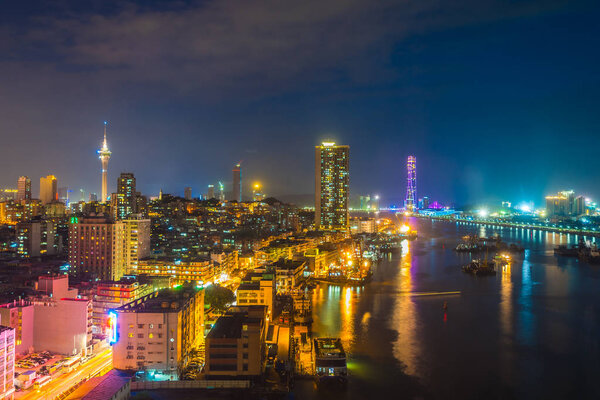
x,y
104,155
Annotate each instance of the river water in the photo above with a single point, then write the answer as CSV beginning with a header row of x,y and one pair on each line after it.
x,y
532,331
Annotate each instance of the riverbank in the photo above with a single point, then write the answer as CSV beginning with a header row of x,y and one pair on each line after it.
x,y
593,232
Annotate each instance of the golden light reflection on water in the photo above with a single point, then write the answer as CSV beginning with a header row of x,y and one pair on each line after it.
x,y
406,347
506,314
347,314
333,312
506,309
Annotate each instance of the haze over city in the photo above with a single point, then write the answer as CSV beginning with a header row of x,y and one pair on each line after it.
x,y
498,102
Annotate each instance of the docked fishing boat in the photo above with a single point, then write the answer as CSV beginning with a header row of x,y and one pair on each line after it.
x,y
480,268
571,251
330,361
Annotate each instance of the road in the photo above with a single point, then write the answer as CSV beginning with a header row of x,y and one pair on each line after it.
x,y
100,363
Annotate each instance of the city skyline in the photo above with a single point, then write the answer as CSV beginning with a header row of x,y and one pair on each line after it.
x,y
481,101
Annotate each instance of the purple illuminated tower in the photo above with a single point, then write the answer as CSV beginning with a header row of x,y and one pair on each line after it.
x,y
410,203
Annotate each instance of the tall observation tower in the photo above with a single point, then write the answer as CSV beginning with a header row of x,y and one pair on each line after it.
x,y
104,155
410,203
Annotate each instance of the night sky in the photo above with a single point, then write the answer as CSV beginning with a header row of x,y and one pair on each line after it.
x,y
498,100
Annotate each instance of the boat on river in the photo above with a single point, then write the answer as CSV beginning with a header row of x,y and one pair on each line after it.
x,y
480,268
330,361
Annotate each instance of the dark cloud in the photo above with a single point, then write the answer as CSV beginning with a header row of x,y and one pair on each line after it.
x,y
237,44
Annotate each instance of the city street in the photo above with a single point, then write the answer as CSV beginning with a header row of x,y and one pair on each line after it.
x,y
101,363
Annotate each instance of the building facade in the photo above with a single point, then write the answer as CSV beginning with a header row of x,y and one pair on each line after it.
x,y
111,295
48,189
131,244
235,346
18,315
331,186
23,188
125,202
90,247
7,362
159,331
237,183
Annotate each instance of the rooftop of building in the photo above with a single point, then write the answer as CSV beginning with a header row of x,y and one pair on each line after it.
x,y
102,387
174,259
231,325
249,286
329,347
5,328
288,264
166,300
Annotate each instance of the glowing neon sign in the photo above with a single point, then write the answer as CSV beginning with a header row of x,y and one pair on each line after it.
x,y
112,327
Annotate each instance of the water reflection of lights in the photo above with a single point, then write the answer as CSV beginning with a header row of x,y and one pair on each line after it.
x,y
406,348
347,314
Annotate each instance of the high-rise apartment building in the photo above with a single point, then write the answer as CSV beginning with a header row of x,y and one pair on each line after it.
x,y
90,247
131,244
48,189
237,183
332,180
187,193
257,192
23,188
36,237
565,204
410,202
221,192
126,196
104,155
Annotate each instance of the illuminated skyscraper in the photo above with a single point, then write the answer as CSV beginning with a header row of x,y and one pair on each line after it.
x,y
131,243
211,192
104,155
24,188
257,193
221,191
187,193
126,196
331,186
237,183
48,189
410,203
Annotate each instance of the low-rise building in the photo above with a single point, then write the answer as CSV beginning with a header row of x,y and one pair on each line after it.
x,y
114,385
257,288
111,295
19,316
159,331
62,322
198,270
235,346
321,257
288,273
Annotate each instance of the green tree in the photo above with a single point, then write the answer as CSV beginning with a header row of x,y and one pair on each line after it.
x,y
218,296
